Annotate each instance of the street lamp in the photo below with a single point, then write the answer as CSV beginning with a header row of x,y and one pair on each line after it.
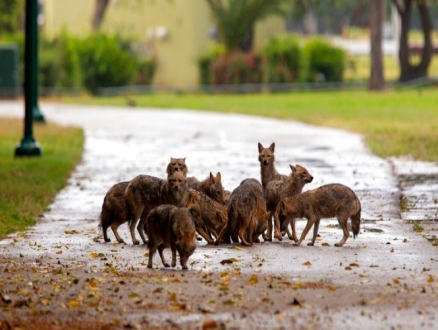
x,y
28,145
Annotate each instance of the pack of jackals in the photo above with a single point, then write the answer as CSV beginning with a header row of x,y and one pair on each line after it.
x,y
173,211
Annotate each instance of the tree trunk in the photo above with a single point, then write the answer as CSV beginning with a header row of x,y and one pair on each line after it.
x,y
100,7
409,71
377,81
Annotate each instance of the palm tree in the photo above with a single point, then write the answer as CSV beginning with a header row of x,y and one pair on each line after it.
x,y
235,20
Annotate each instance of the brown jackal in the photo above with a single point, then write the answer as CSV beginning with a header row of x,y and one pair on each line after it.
x,y
171,226
247,216
211,186
114,211
267,166
278,190
332,200
146,192
214,217
177,165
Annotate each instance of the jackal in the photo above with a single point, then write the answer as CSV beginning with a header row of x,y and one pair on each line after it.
x,y
146,192
267,166
278,190
332,200
214,217
177,165
211,186
247,216
114,210
171,226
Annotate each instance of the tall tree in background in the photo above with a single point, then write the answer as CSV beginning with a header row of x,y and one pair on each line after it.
x,y
100,7
409,71
235,19
377,81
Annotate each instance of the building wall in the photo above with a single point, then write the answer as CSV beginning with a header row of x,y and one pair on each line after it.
x,y
175,32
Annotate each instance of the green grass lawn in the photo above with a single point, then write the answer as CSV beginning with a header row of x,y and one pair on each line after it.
x,y
28,185
394,123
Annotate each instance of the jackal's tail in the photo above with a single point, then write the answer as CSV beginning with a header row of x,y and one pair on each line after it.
x,y
355,222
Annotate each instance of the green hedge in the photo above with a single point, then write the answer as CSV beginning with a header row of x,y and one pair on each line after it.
x,y
59,64
99,60
237,68
105,63
322,61
205,64
282,60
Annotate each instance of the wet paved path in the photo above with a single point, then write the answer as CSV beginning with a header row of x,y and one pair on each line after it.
x,y
387,276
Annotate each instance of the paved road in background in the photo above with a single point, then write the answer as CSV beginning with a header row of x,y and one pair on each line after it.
x,y
386,277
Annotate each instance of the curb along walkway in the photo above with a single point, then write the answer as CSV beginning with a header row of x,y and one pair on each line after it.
x,y
387,277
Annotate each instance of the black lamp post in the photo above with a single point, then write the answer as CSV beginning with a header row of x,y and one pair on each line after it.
x,y
28,145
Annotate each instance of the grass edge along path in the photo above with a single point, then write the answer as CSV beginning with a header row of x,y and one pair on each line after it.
x,y
28,185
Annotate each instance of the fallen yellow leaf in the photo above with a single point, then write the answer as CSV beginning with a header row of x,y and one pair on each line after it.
x,y
73,303
254,279
307,263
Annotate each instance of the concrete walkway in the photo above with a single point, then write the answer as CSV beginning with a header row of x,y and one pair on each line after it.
x,y
386,277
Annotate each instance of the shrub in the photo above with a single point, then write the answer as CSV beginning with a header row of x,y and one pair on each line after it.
x,y
281,59
323,61
106,62
59,64
237,68
205,63
145,71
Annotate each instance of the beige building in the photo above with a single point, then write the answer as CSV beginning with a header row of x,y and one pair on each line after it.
x,y
176,32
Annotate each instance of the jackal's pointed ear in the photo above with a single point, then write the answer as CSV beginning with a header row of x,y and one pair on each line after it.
x,y
211,178
260,147
218,176
293,168
272,147
184,159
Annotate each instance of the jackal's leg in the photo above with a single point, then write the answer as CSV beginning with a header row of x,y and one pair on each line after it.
x,y
294,231
343,223
160,251
136,213
277,228
269,231
141,225
242,237
201,231
105,234
309,225
221,234
114,227
315,232
173,249
152,249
